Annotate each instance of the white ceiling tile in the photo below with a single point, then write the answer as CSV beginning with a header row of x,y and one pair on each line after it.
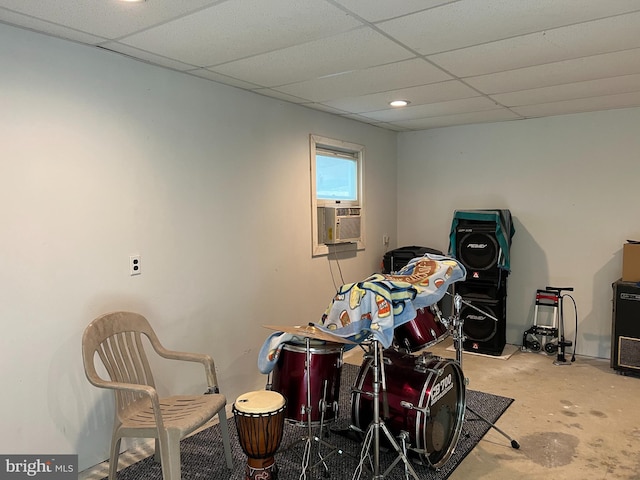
x,y
146,56
390,126
324,108
241,28
592,38
556,93
357,49
609,102
450,58
486,116
384,125
376,11
471,22
437,92
361,82
359,118
216,77
466,105
267,92
109,19
568,71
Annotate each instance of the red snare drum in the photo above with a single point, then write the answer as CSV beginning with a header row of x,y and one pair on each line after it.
x,y
426,399
290,379
421,332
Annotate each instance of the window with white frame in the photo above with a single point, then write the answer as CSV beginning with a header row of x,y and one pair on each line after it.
x,y
336,193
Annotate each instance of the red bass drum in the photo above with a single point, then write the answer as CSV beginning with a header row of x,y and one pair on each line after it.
x,y
426,399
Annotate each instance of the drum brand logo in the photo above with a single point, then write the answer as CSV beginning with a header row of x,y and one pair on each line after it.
x,y
441,388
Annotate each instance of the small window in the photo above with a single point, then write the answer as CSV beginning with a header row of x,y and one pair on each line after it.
x,y
336,180
336,177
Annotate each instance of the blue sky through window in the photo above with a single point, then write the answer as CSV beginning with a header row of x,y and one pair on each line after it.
x,y
336,178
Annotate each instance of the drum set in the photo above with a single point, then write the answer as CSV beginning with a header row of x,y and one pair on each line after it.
x,y
408,401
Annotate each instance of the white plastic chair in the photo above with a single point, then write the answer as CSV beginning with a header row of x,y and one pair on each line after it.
x,y
116,339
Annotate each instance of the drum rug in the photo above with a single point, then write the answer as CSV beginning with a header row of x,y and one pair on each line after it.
x,y
202,454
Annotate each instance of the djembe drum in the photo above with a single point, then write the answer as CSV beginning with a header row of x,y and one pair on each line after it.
x,y
259,418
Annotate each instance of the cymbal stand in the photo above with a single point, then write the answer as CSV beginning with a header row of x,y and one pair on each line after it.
x,y
373,431
308,408
458,339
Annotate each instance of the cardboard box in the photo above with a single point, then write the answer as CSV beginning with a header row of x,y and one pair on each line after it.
x,y
631,262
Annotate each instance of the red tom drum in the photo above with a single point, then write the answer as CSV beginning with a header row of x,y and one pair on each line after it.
x,y
421,332
321,381
426,399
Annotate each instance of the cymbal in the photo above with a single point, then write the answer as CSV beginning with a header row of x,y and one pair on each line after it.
x,y
308,331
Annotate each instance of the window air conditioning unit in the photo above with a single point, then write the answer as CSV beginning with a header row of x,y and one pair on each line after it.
x,y
341,224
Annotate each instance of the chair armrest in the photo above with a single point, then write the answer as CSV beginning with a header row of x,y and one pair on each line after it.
x,y
135,388
129,387
204,359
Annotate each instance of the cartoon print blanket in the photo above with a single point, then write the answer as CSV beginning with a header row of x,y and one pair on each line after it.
x,y
372,308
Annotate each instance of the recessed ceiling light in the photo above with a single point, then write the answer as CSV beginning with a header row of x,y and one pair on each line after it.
x,y
399,103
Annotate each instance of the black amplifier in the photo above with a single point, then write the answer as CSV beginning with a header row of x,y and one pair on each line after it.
x,y
625,331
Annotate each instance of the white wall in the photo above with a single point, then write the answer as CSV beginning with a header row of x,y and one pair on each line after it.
x,y
104,157
571,183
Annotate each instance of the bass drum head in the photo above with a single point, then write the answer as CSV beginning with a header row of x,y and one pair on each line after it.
x,y
441,430
426,399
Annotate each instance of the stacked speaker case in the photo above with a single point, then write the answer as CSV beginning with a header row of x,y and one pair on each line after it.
x,y
481,241
484,313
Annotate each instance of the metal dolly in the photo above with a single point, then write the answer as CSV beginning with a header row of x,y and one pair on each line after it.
x,y
554,334
545,337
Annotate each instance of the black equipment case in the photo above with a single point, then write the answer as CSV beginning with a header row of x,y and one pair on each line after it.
x,y
394,260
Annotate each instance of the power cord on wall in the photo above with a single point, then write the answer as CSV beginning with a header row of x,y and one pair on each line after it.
x,y
335,256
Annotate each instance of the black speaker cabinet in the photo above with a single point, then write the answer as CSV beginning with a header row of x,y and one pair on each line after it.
x,y
484,313
477,249
625,331
484,290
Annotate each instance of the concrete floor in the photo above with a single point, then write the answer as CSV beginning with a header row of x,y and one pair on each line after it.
x,y
578,421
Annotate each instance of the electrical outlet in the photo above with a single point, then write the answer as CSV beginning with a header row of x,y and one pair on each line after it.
x,y
134,265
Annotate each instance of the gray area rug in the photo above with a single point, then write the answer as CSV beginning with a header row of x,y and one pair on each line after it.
x,y
203,458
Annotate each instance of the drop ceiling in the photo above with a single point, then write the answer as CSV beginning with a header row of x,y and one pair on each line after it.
x,y
457,62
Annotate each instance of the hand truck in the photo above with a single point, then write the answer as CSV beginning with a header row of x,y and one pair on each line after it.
x,y
549,337
543,337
